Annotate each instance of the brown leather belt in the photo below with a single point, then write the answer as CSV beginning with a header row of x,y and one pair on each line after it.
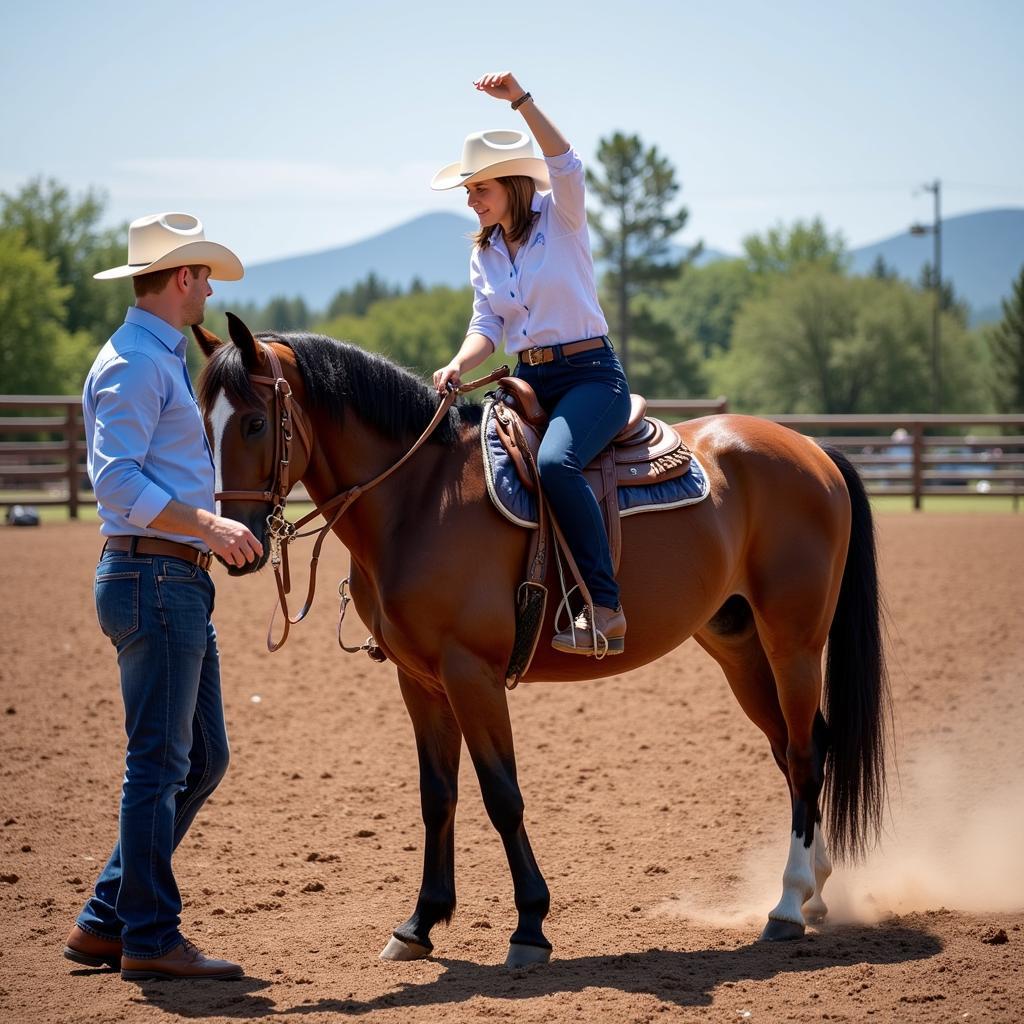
x,y
155,546
549,353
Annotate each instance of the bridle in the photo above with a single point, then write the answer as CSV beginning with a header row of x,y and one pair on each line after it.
x,y
286,414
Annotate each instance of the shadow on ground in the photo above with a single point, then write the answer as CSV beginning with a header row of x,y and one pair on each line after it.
x,y
683,978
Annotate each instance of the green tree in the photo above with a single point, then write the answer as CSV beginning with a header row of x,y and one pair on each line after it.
x,y
1006,348
703,303
636,189
281,314
949,302
420,330
818,342
666,359
357,300
882,270
37,355
782,250
65,229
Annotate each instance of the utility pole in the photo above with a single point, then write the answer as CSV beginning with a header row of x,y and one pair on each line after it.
x,y
936,232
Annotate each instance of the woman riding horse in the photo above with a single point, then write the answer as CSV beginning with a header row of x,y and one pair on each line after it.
x,y
533,279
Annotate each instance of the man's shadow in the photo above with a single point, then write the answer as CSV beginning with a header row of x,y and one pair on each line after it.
x,y
682,978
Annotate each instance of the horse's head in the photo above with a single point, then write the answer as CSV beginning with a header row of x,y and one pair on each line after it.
x,y
250,393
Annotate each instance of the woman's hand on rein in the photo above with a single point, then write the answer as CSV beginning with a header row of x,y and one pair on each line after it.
x,y
502,85
449,374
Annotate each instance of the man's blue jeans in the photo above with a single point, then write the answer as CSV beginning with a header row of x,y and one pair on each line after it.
x,y
587,399
156,611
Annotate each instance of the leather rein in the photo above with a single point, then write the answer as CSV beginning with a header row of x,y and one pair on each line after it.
x,y
289,418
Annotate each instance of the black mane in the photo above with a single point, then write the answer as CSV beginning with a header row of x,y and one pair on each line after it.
x,y
337,376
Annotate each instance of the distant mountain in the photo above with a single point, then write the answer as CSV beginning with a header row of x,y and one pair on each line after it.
x,y
982,253
435,248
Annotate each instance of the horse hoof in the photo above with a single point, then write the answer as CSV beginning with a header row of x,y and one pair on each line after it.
x,y
781,931
399,949
815,911
521,955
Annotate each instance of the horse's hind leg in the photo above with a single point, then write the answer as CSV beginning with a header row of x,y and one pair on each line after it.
x,y
733,641
438,744
481,705
815,909
798,679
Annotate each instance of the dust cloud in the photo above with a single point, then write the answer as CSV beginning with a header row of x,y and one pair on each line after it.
x,y
950,843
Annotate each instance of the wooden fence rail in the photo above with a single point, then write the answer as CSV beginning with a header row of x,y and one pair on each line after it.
x,y
903,455
25,464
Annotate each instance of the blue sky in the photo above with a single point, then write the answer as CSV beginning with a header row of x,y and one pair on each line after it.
x,y
295,127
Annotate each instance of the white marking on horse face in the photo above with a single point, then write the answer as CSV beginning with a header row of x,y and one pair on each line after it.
x,y
220,414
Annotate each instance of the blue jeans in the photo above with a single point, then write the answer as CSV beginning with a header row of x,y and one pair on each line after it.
x,y
156,611
587,400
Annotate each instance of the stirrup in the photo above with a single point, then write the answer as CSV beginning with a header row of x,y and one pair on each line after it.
x,y
600,646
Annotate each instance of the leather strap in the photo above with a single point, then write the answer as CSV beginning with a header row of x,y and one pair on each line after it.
x,y
287,415
155,546
337,507
549,353
610,508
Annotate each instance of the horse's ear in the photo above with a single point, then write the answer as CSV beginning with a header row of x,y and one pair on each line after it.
x,y
208,341
243,339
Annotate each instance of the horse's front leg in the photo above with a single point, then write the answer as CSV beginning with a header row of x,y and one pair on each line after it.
x,y
478,696
438,743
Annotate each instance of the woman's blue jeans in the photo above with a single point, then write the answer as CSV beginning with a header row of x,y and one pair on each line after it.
x,y
587,400
156,611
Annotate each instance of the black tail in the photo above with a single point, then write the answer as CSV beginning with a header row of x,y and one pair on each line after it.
x,y
857,703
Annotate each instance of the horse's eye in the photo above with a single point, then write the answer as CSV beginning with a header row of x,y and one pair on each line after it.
x,y
255,426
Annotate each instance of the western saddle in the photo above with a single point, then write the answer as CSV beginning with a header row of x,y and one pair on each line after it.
x,y
646,451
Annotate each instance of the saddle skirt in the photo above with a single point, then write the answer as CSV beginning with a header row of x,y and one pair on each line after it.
x,y
647,464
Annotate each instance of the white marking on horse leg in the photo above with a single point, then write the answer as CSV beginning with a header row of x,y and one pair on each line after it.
x,y
797,883
815,908
219,416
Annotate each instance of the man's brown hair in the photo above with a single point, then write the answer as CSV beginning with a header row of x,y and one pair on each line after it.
x,y
153,284
520,200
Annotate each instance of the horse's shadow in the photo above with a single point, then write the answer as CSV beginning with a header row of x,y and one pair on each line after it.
x,y
683,978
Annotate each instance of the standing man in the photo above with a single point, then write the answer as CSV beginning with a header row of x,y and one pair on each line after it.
x,y
153,475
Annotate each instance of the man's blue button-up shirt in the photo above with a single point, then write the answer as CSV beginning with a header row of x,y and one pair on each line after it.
x,y
144,431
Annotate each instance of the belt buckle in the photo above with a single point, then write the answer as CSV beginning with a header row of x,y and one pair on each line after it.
x,y
534,356
205,560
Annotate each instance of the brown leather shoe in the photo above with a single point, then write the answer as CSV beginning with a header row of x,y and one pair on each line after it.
x,y
611,633
186,961
85,948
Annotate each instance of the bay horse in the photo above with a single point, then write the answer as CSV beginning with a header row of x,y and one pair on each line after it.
x,y
778,562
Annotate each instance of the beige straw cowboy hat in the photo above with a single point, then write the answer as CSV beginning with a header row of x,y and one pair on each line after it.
x,y
164,240
497,153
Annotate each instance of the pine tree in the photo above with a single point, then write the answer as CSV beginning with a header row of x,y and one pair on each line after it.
x,y
882,271
949,301
636,191
1006,344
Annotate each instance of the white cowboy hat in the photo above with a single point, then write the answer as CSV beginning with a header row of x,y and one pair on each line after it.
x,y
164,240
497,153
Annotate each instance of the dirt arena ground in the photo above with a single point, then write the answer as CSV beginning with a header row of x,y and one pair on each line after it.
x,y
652,804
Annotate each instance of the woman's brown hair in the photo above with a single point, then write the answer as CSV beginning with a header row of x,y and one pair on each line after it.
x,y
520,191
